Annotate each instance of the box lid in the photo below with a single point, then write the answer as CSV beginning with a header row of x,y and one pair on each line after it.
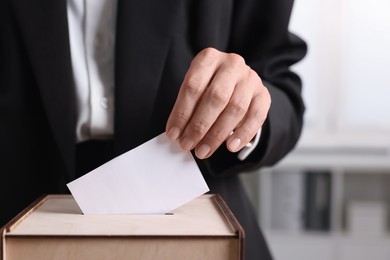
x,y
59,215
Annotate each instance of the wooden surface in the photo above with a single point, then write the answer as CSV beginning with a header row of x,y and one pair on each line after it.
x,y
122,248
54,228
60,215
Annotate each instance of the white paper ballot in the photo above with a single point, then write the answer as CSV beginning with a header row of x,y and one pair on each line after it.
x,y
153,178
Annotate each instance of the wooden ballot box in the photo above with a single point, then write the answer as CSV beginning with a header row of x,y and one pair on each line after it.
x,y
54,228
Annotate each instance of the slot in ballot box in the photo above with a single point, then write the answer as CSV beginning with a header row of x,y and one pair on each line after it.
x,y
54,228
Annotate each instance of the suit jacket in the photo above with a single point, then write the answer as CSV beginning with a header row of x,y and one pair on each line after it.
x,y
156,41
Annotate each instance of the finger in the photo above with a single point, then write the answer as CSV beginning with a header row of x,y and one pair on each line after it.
x,y
213,102
197,78
228,120
251,124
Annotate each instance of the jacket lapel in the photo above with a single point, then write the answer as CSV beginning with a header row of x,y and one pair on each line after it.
x,y
144,30
45,31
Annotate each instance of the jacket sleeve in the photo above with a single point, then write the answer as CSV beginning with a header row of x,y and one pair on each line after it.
x,y
259,32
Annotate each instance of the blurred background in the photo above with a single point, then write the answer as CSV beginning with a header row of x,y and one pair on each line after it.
x,y
330,198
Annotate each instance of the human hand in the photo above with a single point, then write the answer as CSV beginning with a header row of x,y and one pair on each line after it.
x,y
220,95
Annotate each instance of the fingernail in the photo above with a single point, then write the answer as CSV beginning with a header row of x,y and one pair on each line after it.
x,y
187,143
234,144
202,151
173,133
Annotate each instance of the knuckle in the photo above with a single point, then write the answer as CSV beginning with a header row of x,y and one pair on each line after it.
x,y
218,136
218,98
254,80
181,116
199,128
264,104
209,52
247,133
193,86
235,59
236,108
267,95
260,115
253,74
206,57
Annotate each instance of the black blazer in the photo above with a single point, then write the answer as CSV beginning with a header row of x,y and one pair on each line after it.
x,y
156,41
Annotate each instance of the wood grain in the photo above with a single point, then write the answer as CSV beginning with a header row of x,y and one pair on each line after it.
x,y
54,228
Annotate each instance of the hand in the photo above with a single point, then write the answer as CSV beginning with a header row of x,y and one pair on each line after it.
x,y
220,94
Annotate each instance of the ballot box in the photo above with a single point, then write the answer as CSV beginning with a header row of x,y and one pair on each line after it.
x,y
54,228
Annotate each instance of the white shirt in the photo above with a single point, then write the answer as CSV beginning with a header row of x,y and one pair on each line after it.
x,y
92,41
